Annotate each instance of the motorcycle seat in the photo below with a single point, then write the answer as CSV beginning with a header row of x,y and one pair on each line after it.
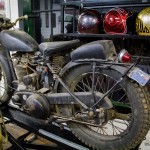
x,y
48,48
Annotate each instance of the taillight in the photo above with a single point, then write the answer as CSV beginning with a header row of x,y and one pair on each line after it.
x,y
124,56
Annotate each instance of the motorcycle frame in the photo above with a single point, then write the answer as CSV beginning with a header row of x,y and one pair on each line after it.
x,y
124,69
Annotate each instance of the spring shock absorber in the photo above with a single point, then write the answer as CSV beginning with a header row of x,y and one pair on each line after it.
x,y
56,64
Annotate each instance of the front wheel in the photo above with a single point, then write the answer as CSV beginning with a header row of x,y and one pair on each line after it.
x,y
5,83
129,100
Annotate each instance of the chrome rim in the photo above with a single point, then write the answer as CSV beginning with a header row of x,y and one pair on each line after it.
x,y
2,82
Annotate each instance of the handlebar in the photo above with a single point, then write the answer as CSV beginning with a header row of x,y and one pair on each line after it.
x,y
8,24
21,18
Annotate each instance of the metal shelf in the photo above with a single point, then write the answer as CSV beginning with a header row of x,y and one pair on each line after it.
x,y
106,4
125,36
102,5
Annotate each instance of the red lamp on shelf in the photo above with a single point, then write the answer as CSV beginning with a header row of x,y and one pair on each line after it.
x,y
89,22
115,21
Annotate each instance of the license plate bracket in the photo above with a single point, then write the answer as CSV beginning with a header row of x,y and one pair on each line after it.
x,y
139,76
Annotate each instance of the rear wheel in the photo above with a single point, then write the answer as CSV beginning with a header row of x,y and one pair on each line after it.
x,y
128,99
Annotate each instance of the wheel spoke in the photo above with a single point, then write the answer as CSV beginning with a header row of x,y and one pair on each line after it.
x,y
87,87
100,85
125,123
116,90
93,80
108,84
96,84
116,127
80,87
121,97
87,81
103,131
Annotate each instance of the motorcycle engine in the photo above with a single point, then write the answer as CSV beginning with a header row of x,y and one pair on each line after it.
x,y
32,78
26,74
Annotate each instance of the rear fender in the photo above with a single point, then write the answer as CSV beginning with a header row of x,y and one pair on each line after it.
x,y
120,69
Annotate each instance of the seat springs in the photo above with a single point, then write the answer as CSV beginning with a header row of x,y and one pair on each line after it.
x,y
56,64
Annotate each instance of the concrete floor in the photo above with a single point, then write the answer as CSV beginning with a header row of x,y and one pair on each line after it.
x,y
146,143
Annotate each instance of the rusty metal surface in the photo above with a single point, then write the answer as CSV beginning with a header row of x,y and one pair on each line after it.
x,y
51,132
17,131
14,130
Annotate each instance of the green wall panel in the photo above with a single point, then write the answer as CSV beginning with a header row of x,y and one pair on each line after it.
x,y
28,24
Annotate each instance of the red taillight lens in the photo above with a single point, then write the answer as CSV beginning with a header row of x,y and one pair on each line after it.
x,y
124,56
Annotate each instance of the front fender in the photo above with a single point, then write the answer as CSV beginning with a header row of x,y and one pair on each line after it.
x,y
5,64
6,61
3,57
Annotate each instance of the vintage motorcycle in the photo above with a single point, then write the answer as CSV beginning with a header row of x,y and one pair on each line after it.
x,y
98,94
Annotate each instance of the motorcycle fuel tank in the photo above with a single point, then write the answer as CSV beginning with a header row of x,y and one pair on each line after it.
x,y
18,40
